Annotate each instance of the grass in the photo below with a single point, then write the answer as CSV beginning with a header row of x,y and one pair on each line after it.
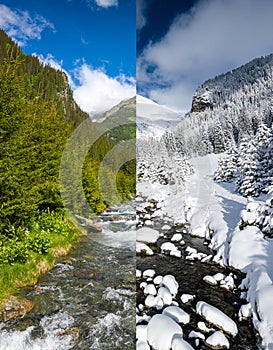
x,y
46,239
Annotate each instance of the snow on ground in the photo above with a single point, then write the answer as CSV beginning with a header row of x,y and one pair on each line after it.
x,y
257,263
214,212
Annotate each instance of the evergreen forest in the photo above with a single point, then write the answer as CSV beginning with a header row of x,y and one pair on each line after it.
x,y
37,117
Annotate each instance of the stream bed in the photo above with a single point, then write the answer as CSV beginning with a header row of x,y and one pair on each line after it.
x,y
189,274
87,301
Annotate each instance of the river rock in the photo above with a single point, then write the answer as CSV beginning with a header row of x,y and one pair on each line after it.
x,y
92,225
15,307
74,332
88,274
116,218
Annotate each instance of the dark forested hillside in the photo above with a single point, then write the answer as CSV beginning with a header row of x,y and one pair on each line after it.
x,y
37,116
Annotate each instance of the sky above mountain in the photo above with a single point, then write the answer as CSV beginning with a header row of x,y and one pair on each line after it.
x,y
92,40
180,44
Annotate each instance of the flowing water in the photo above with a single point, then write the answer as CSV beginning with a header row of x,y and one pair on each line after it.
x,y
87,301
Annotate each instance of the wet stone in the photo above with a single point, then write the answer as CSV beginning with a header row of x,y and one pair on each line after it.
x,y
89,275
15,307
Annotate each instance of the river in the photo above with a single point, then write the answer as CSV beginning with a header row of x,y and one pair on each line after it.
x,y
189,274
87,301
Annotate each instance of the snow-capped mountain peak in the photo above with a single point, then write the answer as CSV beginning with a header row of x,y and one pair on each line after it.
x,y
153,119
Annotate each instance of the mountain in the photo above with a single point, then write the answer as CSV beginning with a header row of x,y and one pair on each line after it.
x,y
121,120
228,108
38,115
123,112
153,119
157,160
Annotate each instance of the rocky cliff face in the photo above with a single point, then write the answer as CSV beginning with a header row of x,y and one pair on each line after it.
x,y
202,102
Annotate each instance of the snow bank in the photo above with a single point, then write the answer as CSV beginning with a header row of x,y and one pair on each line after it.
x,y
257,263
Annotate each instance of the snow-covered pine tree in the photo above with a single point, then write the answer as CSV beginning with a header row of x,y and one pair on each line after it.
x,y
262,140
247,166
227,168
265,217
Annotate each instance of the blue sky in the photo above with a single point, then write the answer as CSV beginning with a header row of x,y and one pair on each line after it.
x,y
183,43
92,40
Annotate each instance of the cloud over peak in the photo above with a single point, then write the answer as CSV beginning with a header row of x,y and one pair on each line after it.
x,y
21,26
214,37
97,92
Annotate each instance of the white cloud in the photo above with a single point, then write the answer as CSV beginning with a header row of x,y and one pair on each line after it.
x,y
216,36
140,14
50,60
98,92
21,26
106,3
94,91
83,41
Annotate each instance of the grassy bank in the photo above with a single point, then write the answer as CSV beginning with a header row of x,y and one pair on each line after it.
x,y
30,251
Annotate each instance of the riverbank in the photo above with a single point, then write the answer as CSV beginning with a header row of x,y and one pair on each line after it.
x,y
175,273
212,211
87,301
33,250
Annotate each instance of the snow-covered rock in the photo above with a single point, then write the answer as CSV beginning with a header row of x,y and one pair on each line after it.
x,y
148,273
154,301
177,237
141,345
177,314
142,248
150,289
218,340
165,294
147,235
168,247
158,279
138,273
245,311
194,334
185,298
179,343
202,326
216,317
210,280
170,282
161,331
141,332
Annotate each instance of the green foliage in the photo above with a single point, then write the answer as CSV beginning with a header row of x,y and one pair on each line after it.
x,y
38,237
13,251
37,116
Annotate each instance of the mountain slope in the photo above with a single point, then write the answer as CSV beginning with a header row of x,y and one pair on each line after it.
x,y
37,117
153,119
229,107
120,120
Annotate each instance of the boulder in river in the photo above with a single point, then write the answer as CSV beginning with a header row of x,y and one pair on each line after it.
x,y
15,307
